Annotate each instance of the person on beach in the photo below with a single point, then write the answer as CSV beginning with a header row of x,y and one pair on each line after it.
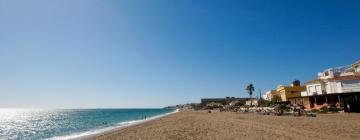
x,y
348,107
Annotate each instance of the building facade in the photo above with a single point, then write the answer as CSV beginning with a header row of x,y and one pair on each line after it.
x,y
252,102
333,86
290,93
356,66
270,94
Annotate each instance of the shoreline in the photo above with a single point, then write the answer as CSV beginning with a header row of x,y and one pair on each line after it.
x,y
110,129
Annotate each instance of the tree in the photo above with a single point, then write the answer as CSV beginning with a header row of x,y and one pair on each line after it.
x,y
250,89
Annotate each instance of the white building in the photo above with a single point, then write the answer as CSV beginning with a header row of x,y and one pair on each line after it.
x,y
345,79
269,95
356,66
314,87
343,84
253,102
333,86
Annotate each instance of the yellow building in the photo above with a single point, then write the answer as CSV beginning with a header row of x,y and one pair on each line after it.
x,y
270,94
290,93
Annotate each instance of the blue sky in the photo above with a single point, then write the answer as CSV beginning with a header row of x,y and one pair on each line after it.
x,y
140,53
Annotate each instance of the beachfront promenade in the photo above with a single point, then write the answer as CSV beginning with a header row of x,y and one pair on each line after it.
x,y
200,125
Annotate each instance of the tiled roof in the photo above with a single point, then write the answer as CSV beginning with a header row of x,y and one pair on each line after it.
x,y
314,81
357,63
346,78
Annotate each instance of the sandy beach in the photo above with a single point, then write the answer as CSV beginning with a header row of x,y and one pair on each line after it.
x,y
200,125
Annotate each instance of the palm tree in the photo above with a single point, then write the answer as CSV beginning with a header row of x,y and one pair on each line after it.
x,y
250,89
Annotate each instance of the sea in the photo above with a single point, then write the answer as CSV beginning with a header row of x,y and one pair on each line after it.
x,y
30,124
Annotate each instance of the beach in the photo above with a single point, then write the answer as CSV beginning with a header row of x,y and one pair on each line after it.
x,y
200,125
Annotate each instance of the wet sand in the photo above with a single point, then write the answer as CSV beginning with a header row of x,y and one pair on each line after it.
x,y
200,125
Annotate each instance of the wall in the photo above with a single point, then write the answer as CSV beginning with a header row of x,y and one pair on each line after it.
x,y
304,93
253,102
333,87
350,86
306,103
357,69
290,92
315,89
270,94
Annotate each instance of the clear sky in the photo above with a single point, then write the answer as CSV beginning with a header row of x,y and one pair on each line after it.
x,y
154,53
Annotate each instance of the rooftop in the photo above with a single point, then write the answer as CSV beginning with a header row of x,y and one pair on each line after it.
x,y
314,81
357,63
346,78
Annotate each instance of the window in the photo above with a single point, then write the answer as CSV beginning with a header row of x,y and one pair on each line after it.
x,y
312,89
318,88
357,69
